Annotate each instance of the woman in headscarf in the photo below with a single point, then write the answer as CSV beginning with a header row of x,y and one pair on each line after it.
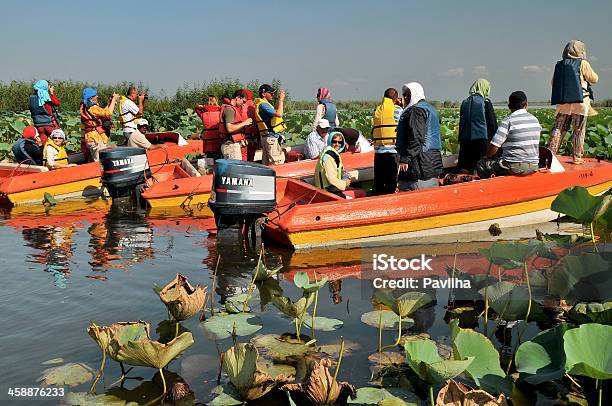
x,y
27,148
325,109
43,104
571,93
477,125
329,173
92,122
54,154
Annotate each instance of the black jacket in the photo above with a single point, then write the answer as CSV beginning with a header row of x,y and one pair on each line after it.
x,y
411,131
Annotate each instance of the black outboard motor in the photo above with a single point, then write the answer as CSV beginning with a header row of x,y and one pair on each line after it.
x,y
242,194
123,170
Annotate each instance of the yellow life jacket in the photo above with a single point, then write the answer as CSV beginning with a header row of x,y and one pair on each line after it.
x,y
320,177
62,156
384,126
278,124
122,115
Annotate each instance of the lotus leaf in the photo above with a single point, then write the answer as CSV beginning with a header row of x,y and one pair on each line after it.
x,y
235,304
280,348
183,300
148,353
167,330
404,305
316,385
583,277
542,359
118,333
567,241
577,203
592,313
387,358
457,394
222,325
261,272
374,396
323,323
240,365
72,374
333,349
85,399
422,356
302,281
389,320
267,290
297,309
588,351
510,301
225,395
513,254
485,369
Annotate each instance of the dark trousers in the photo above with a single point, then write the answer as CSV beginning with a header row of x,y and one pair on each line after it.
x,y
386,166
335,190
470,152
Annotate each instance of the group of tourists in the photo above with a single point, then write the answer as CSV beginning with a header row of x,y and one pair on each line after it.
x,y
406,134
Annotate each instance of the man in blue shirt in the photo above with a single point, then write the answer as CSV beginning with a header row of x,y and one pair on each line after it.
x,y
270,125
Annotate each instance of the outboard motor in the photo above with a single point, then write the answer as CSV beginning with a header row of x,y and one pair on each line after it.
x,y
242,194
123,170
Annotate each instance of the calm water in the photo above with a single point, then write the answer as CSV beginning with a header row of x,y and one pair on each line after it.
x,y
63,269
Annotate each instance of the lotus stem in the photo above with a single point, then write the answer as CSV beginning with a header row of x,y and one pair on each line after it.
x,y
518,340
573,380
333,382
297,329
314,310
252,284
176,330
431,395
161,372
379,331
92,390
599,384
592,228
399,331
486,311
212,292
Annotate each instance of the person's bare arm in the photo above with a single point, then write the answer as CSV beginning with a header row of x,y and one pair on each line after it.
x,y
111,106
140,105
281,105
492,151
235,127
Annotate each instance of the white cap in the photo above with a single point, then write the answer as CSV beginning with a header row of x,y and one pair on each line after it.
x,y
142,121
323,123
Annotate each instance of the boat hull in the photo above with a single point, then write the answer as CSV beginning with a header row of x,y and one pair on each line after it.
x,y
463,208
81,181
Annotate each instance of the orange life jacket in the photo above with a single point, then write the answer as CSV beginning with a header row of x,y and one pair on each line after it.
x,y
210,116
89,122
240,116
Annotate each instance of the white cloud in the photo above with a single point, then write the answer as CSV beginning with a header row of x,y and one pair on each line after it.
x,y
453,73
536,68
481,70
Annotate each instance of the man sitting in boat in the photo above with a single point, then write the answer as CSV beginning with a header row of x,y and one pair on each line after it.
x,y
54,154
232,126
418,141
27,148
139,139
329,173
316,141
518,135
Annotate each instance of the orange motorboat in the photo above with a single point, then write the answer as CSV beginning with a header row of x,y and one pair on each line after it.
x,y
183,190
308,217
28,184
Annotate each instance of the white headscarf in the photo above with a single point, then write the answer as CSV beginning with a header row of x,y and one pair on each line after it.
x,y
416,92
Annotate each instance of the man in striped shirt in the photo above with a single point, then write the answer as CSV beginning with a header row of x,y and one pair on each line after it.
x,y
519,138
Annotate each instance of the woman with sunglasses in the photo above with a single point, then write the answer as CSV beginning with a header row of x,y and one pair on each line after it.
x,y
329,173
54,154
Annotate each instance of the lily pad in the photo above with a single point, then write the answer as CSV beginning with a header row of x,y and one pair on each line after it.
x,y
390,320
484,369
406,304
577,203
510,301
422,356
373,396
71,374
302,281
297,309
54,361
588,351
85,399
225,395
149,353
333,349
583,277
512,255
387,358
567,241
279,348
542,359
592,313
221,325
323,323
235,304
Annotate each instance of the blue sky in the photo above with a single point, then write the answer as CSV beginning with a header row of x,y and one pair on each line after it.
x,y
356,48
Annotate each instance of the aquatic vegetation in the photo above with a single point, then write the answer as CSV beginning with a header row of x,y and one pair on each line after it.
x,y
182,299
510,302
457,394
583,313
403,306
542,358
240,365
71,374
223,325
581,278
385,396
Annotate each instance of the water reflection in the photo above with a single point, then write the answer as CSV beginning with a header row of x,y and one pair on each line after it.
x,y
54,248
